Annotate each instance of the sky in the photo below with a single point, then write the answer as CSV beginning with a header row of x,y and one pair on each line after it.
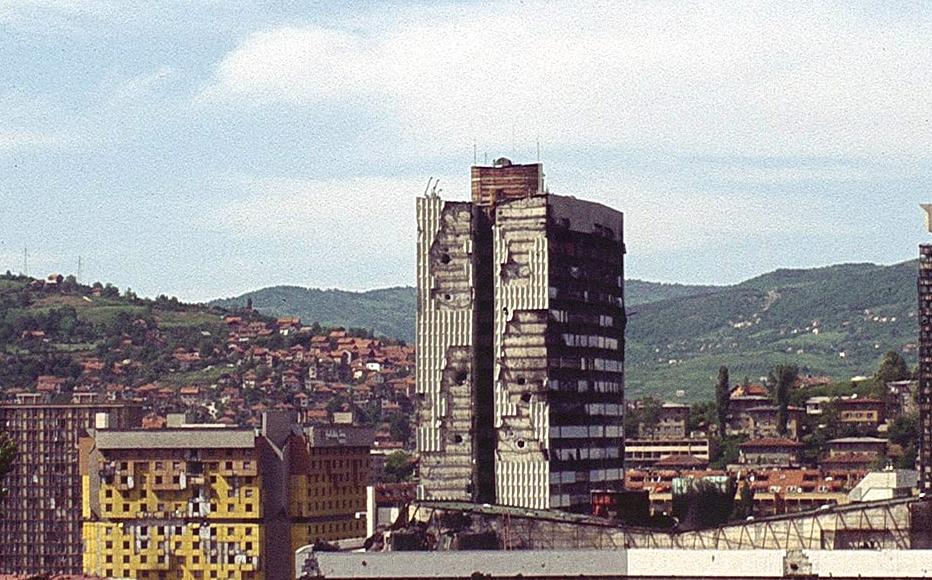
x,y
203,149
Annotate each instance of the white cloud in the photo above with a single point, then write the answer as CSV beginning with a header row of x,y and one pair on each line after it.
x,y
56,16
12,140
739,79
344,215
141,85
347,212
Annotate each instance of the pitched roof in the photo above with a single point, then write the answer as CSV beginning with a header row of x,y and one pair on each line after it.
x,y
680,461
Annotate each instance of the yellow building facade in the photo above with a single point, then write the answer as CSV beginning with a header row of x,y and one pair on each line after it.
x,y
195,502
330,469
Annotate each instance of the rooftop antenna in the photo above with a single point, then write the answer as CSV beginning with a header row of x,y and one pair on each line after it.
x,y
475,154
436,192
25,261
427,189
538,147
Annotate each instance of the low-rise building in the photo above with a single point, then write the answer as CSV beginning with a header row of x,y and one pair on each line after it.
x,y
854,453
770,451
764,422
872,446
868,413
901,399
817,405
672,421
641,453
739,421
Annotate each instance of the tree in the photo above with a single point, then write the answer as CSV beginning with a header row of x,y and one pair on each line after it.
x,y
702,416
398,467
727,451
722,398
645,417
745,504
892,368
400,428
7,454
706,503
904,431
908,459
782,378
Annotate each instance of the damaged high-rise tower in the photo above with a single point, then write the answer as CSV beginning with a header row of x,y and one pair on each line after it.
x,y
520,344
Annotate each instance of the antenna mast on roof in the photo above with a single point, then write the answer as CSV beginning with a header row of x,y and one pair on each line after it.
x,y
25,261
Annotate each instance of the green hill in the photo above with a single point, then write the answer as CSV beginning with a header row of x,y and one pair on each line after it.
x,y
388,311
837,320
639,292
50,330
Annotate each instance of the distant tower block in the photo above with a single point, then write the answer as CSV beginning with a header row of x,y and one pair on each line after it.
x,y
925,358
928,209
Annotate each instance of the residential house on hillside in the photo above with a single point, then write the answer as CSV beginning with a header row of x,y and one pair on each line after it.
x,y
901,398
50,384
763,422
817,405
770,451
672,421
640,453
867,413
739,421
854,453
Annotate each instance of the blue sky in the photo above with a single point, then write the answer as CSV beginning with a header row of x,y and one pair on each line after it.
x,y
203,149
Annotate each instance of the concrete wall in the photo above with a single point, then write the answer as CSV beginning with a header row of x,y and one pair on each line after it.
x,y
444,341
605,564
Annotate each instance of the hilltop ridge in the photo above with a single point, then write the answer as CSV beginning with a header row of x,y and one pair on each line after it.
x,y
834,320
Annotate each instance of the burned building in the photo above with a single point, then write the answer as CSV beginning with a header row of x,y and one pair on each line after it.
x,y
520,342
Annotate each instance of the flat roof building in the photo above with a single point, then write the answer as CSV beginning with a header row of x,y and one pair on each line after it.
x,y
40,518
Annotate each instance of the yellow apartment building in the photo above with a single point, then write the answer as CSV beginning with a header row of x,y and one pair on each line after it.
x,y
187,502
201,502
330,469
